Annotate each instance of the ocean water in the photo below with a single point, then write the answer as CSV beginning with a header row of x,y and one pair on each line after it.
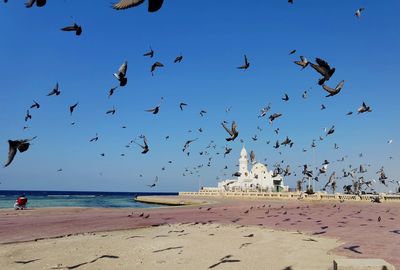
x,y
38,199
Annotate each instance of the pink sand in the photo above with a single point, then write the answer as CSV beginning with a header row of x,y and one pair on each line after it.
x,y
353,223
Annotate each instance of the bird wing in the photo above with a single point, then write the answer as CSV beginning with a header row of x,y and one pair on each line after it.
x,y
124,4
329,89
12,150
226,128
339,86
30,3
123,68
245,60
322,63
69,28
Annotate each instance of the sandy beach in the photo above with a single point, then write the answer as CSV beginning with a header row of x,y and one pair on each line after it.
x,y
303,235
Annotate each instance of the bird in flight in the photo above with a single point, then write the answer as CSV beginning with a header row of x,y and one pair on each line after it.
x,y
233,132
72,108
187,143
156,109
285,97
154,183
20,145
55,91
323,68
178,59
149,53
154,5
39,3
95,139
364,108
28,116
145,146
76,28
112,90
154,66
303,62
246,64
274,116
35,105
358,12
111,111
121,75
181,105
333,91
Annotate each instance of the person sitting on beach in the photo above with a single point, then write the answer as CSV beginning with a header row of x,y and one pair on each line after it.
x,y
21,202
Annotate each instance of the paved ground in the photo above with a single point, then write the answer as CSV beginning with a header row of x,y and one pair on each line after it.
x,y
356,224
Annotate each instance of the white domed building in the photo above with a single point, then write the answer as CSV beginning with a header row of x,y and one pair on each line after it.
x,y
258,179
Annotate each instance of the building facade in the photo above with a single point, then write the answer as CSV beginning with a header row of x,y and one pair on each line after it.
x,y
259,178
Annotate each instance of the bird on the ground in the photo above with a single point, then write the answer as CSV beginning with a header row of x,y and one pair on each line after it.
x,y
55,91
303,62
35,105
94,139
154,5
233,132
364,108
245,65
154,66
39,3
274,116
121,75
14,145
181,105
358,12
76,28
178,59
323,68
145,146
72,108
28,116
333,91
111,111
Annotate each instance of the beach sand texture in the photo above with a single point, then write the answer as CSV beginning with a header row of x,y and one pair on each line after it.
x,y
176,246
352,224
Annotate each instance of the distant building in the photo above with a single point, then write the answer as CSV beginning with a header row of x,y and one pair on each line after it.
x,y
259,178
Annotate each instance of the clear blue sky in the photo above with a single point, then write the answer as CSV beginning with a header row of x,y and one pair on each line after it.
x,y
212,36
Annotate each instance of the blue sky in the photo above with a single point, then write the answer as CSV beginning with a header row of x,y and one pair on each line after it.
x,y
213,36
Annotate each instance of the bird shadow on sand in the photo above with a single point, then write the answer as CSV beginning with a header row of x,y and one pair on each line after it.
x,y
82,264
225,259
166,249
26,262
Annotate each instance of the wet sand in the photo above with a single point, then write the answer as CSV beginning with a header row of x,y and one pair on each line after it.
x,y
350,223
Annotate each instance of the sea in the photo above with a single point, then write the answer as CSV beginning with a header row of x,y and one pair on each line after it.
x,y
39,199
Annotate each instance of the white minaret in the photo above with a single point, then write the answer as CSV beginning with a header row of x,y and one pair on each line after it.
x,y
243,161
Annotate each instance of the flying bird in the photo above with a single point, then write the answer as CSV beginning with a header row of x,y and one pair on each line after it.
x,y
274,116
178,59
333,91
121,75
154,183
154,66
149,53
330,131
285,97
35,105
72,108
76,28
187,143
232,132
181,105
39,3
28,116
55,91
95,139
202,112
245,65
364,108
112,90
358,12
111,111
292,52
323,68
156,109
145,146
154,5
20,145
303,62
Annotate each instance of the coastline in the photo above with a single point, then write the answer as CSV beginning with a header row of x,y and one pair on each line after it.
x,y
350,223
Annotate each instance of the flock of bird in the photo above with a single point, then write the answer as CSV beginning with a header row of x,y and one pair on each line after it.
x,y
320,66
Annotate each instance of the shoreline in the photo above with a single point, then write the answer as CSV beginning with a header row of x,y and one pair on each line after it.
x,y
350,222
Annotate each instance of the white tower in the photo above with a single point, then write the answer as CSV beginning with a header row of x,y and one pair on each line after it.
x,y
243,161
